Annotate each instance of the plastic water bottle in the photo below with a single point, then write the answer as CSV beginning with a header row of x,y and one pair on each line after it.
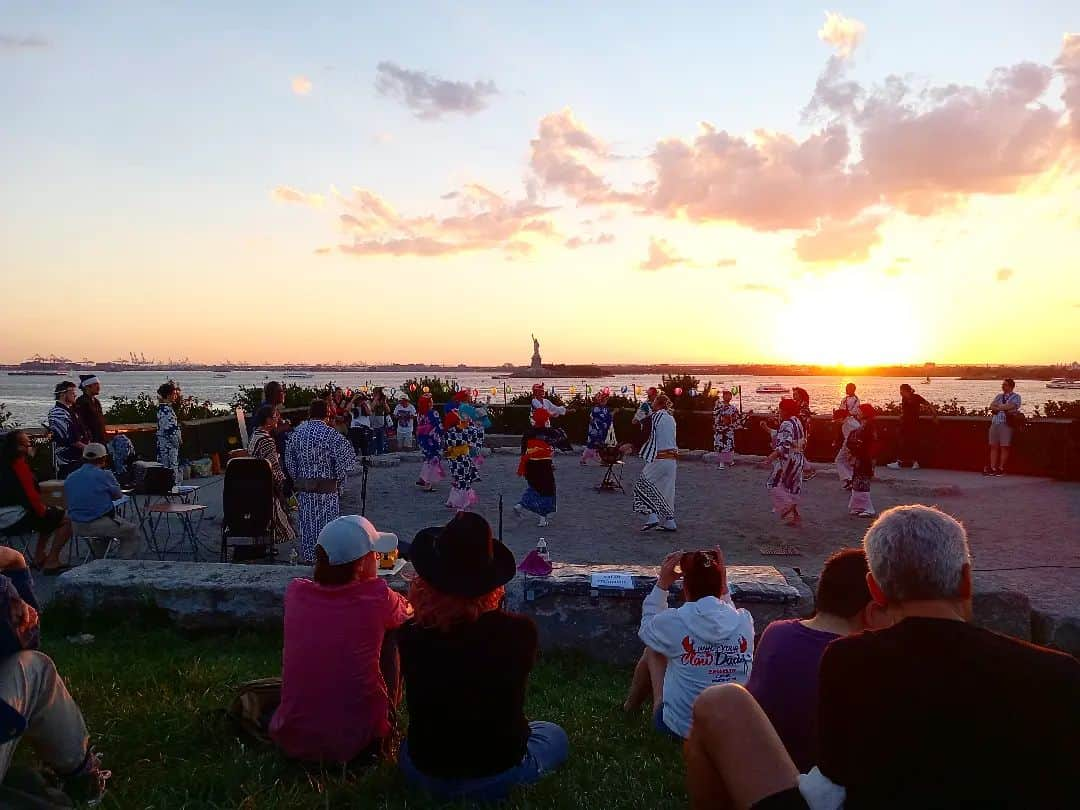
x,y
542,550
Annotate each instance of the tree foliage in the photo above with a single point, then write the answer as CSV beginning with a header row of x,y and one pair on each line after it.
x,y
143,408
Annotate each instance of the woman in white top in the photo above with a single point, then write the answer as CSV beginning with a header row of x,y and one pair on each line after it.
x,y
848,413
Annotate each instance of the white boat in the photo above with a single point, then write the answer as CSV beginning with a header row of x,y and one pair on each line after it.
x,y
297,376
772,388
1061,382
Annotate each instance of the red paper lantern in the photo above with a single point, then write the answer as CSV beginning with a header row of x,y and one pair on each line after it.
x,y
678,392
412,387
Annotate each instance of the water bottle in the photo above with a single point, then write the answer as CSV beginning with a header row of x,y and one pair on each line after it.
x,y
294,557
542,550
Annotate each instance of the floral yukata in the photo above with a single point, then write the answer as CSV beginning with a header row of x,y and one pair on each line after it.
x,y
459,438
317,458
429,438
860,443
262,445
785,480
601,421
168,440
726,419
537,467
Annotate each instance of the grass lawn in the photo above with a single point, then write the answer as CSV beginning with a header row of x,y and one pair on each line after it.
x,y
153,701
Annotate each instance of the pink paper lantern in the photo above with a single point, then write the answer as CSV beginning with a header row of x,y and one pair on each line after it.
x,y
678,392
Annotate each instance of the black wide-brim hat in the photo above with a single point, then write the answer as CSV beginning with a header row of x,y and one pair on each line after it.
x,y
462,557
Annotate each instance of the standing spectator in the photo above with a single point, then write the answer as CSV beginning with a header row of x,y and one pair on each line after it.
x,y
34,703
927,711
169,437
705,641
21,507
262,446
405,417
340,679
88,408
908,439
784,680
318,458
862,444
380,412
466,664
360,425
1005,407
91,492
68,433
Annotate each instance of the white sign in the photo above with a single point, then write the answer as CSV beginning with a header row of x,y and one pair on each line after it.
x,y
612,579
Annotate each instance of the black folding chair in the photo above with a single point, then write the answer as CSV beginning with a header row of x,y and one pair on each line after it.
x,y
247,509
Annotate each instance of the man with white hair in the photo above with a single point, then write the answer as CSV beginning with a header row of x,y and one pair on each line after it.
x,y
927,710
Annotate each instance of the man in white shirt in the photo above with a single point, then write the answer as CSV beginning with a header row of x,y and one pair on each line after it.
x,y
405,419
540,401
1001,432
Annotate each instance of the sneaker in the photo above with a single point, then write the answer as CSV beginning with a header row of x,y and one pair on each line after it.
x,y
915,466
519,510
721,466
894,466
87,784
542,522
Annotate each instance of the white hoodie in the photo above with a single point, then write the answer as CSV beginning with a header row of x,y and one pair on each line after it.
x,y
706,642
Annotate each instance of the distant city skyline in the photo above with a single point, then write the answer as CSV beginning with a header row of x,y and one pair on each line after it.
x,y
652,183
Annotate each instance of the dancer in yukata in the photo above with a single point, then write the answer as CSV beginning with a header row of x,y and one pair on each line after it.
x,y
318,459
787,460
458,439
862,443
654,491
726,419
537,466
539,401
429,438
601,421
848,416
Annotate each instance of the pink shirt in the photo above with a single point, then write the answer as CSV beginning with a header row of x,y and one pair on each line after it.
x,y
333,698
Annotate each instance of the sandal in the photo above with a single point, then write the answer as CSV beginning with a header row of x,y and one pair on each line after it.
x,y
649,527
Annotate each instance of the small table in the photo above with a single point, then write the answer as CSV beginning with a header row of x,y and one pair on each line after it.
x,y
190,516
142,502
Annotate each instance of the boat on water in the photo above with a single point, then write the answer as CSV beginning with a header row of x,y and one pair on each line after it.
x,y
772,388
42,373
296,375
1062,382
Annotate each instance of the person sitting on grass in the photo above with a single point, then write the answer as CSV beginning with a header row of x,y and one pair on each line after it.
x,y
466,664
340,678
785,676
34,703
21,508
928,711
91,493
705,641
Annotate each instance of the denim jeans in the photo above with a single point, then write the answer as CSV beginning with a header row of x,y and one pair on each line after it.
x,y
378,441
547,749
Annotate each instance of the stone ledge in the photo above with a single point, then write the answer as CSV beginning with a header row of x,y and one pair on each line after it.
x,y
569,613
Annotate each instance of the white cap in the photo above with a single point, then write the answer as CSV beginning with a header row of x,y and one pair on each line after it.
x,y
348,538
94,451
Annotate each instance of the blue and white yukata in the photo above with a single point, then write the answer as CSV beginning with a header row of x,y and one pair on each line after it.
x,y
67,432
429,439
600,422
845,461
726,418
785,480
169,440
315,451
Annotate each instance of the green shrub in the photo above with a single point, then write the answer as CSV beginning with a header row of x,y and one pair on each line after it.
x,y
250,397
143,408
1057,408
5,417
441,389
950,407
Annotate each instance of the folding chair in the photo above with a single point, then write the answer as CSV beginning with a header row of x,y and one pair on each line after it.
x,y
611,457
247,507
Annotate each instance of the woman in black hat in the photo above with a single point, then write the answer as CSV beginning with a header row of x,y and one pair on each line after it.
x,y
466,664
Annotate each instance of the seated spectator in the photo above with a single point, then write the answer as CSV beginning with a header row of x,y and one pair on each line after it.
x,y
785,677
466,664
687,649
929,711
34,703
91,492
340,679
21,507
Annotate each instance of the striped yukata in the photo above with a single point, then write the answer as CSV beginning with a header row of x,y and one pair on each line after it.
x,y
67,431
654,491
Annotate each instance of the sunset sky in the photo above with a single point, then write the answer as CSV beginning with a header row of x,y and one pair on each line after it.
x,y
664,182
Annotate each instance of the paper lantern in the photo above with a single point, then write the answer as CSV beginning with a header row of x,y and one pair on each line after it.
x,y
678,392
624,389
573,389
508,389
427,390
476,392
413,387
364,388
494,390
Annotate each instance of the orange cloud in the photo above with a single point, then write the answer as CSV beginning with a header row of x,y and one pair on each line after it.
x,y
1004,273
839,242
286,194
661,255
301,85
843,33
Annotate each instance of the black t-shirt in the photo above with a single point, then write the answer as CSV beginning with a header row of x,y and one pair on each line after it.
x,y
465,692
909,408
940,713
